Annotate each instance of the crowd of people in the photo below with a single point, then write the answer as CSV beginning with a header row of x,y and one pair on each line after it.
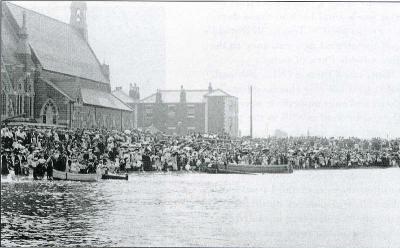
x,y
84,151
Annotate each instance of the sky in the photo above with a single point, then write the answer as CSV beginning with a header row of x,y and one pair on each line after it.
x,y
328,68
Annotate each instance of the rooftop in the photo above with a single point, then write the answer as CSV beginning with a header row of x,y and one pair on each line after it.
x,y
58,46
192,96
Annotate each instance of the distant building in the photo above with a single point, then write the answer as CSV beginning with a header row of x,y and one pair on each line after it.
x,y
187,111
51,75
131,99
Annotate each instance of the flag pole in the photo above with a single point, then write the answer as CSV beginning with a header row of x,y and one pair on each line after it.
x,y
251,111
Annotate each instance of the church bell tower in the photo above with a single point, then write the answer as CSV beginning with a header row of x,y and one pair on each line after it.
x,y
78,18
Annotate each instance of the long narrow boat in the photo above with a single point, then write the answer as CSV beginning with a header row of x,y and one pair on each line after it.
x,y
62,175
114,176
249,169
281,168
212,170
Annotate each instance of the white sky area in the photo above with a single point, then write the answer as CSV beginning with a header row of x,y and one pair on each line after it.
x,y
330,68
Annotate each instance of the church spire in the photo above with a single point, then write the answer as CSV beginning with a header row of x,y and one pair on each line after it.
x,y
78,18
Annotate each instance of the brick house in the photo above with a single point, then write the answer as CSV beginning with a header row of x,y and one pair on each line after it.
x,y
186,111
51,74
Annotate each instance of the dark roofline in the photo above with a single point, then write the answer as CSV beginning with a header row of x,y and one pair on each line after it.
x,y
56,88
98,106
65,74
131,109
169,91
69,26
197,90
223,92
113,91
7,2
180,90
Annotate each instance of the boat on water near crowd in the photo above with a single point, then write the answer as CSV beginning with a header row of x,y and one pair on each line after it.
x,y
248,169
62,175
114,176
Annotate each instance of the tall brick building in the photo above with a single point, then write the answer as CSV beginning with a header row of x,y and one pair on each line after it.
x,y
184,111
51,75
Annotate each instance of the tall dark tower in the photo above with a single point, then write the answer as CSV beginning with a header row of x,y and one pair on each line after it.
x,y
78,18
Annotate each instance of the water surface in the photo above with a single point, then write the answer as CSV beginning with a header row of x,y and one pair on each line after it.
x,y
331,208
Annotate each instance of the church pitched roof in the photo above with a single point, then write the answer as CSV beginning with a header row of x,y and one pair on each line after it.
x,y
59,46
104,99
121,95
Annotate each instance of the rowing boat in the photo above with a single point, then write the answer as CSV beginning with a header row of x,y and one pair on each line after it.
x,y
281,168
114,176
70,176
248,169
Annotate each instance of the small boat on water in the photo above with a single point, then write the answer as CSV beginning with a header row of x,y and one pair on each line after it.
x,y
62,175
249,169
115,176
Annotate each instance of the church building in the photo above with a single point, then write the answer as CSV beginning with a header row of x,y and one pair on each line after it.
x,y
51,75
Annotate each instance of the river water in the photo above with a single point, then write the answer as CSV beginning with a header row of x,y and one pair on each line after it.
x,y
326,208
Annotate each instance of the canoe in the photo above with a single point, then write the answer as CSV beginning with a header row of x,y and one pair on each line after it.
x,y
224,171
249,169
282,168
62,175
114,176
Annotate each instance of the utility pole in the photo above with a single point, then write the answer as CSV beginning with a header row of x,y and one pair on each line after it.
x,y
251,111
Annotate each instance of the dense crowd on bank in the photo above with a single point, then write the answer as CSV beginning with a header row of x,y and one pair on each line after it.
x,y
85,151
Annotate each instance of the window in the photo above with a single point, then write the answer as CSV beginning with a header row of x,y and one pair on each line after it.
x,y
148,109
78,15
191,111
21,106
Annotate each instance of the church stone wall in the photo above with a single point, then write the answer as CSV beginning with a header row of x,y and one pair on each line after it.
x,y
86,116
44,92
